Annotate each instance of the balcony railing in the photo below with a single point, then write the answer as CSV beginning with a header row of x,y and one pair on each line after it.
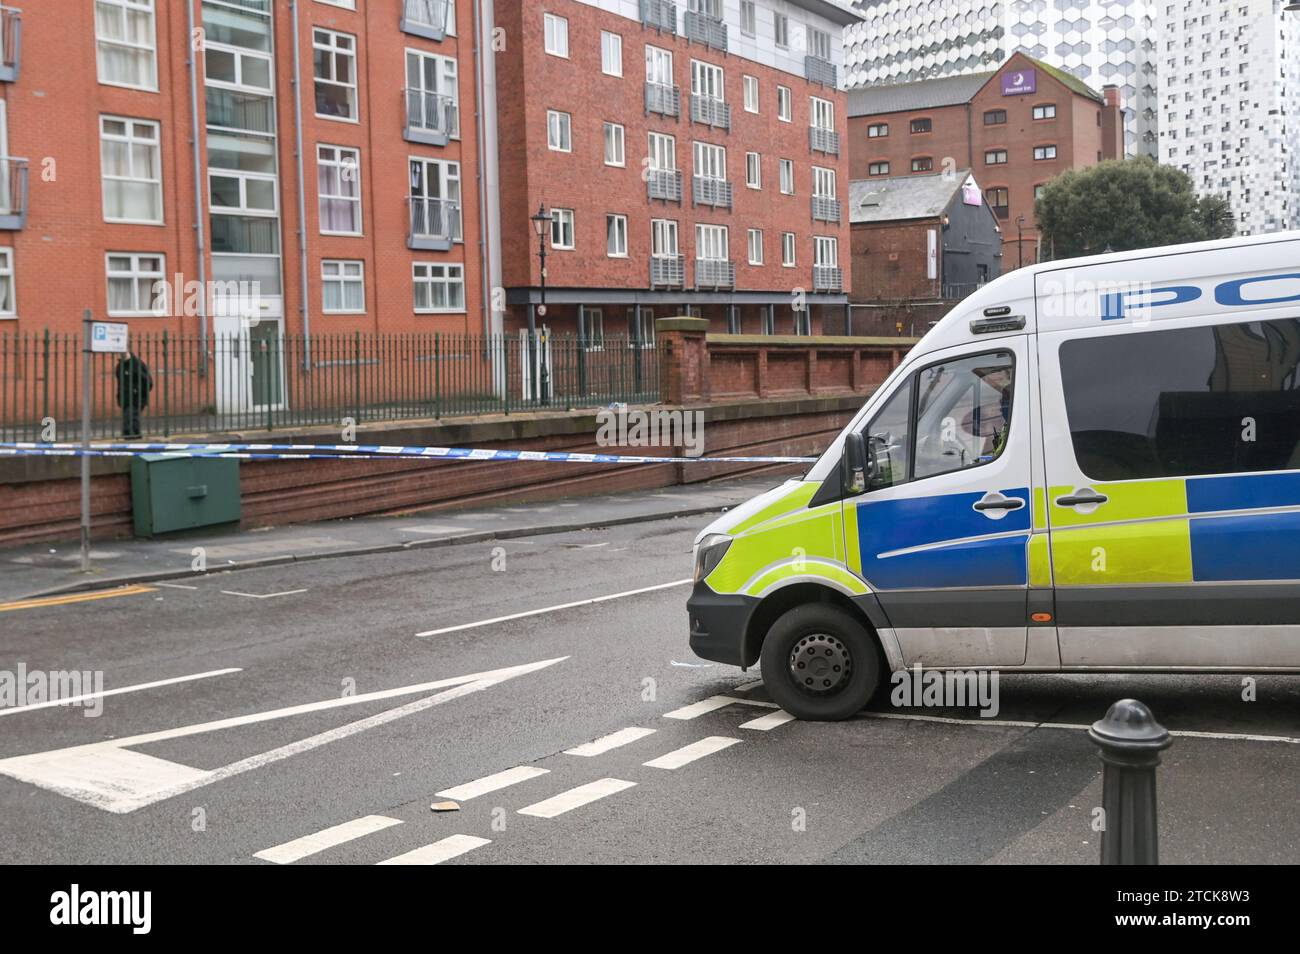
x,y
715,273
659,15
706,190
663,99
13,192
430,117
434,223
664,184
11,43
828,278
825,209
818,70
426,18
824,140
667,271
706,29
710,110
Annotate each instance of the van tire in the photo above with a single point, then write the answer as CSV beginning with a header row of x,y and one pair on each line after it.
x,y
847,656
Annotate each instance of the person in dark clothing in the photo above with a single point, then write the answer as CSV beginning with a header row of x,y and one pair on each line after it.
x,y
134,382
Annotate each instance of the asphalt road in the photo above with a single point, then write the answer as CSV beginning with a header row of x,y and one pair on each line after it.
x,y
302,748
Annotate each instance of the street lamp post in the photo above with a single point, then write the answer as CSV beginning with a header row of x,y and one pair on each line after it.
x,y
1020,248
541,222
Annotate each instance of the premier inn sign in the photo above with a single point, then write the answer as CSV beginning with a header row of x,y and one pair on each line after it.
x,y
1019,82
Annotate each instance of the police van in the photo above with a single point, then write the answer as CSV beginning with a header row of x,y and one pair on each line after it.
x,y
1089,465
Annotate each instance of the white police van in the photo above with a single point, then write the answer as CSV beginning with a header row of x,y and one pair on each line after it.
x,y
1088,465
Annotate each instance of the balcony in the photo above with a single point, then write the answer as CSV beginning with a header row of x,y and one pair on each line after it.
x,y
426,18
11,43
711,111
818,70
828,278
714,273
825,209
667,271
664,184
705,28
706,190
431,118
824,140
659,15
13,193
434,223
663,99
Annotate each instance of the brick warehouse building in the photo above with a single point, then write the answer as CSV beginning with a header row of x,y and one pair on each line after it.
x,y
691,160
1015,128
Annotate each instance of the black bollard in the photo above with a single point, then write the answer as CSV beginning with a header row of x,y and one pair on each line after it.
x,y
1129,741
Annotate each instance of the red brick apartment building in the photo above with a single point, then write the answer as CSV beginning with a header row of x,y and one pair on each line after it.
x,y
689,156
1015,129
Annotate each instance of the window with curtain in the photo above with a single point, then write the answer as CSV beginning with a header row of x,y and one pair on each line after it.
x,y
338,173
131,284
126,43
131,166
343,286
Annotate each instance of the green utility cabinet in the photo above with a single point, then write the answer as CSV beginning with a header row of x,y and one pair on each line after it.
x,y
180,493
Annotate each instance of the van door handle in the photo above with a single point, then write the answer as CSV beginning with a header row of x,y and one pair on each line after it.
x,y
1081,498
995,501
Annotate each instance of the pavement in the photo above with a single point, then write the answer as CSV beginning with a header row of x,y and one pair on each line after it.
x,y
313,712
41,570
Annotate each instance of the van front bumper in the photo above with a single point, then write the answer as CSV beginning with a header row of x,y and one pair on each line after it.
x,y
718,624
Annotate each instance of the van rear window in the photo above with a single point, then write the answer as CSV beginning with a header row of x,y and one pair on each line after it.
x,y
1218,399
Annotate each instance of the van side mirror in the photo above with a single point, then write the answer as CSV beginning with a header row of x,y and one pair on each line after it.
x,y
856,465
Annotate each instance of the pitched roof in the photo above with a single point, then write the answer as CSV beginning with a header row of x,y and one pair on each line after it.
x,y
903,197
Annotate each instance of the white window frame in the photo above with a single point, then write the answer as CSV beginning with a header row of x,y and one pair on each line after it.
x,y
748,17
334,50
122,7
821,113
446,172
781,31
663,238
130,139
823,182
712,238
1041,111
244,178
156,306
823,244
755,242
819,43
707,79
784,104
611,53
615,235
878,130
345,158
562,221
7,277
334,271
710,160
555,38
447,71
559,131
787,176
658,65
787,250
753,170
450,275
751,92
615,144
662,146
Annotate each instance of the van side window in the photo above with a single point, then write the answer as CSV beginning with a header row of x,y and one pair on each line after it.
x,y
1184,402
963,413
889,438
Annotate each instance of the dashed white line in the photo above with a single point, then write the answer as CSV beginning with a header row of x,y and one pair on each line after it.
x,y
689,753
444,850
768,722
576,798
71,700
612,741
308,845
697,709
263,596
492,783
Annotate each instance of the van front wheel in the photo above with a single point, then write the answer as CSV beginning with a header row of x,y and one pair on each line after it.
x,y
819,663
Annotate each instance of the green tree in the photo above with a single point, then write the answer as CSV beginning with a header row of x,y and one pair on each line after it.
x,y
1126,204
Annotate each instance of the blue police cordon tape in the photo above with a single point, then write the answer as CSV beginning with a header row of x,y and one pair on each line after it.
x,y
358,452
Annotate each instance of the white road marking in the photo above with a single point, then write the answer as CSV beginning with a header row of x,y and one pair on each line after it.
x,y
689,753
552,609
612,741
307,845
176,586
435,854
106,776
697,709
768,722
576,798
117,692
492,783
263,596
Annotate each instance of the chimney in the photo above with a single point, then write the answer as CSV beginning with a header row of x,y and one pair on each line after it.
x,y
1111,92
1112,123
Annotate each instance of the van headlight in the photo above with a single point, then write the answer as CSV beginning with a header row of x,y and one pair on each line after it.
x,y
709,553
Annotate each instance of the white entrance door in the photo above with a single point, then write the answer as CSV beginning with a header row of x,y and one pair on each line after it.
x,y
248,349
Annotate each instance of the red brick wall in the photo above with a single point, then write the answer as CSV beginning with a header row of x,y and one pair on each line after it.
x,y
890,260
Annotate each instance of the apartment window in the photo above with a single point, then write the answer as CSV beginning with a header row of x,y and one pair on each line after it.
x,y
750,84
822,113
819,44
995,117
756,246
878,169
710,161
1038,190
1048,111
562,228
711,242
826,251
593,327
435,197
878,130
131,166
924,125
823,182
559,131
787,249
557,34
706,79
663,152
616,236
8,305
438,288
1044,152
431,82
336,74
753,170
787,177
125,40
614,153
784,104
663,238
131,283
748,18
338,182
658,66
922,164
782,30
343,287
245,193
995,157
999,199
611,54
